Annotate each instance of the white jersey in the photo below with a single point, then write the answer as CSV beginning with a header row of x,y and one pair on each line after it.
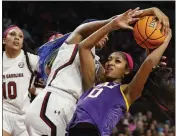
x,y
16,80
65,72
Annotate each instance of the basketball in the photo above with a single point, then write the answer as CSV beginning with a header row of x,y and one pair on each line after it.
x,y
147,32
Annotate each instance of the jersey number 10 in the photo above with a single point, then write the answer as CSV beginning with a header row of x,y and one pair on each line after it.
x,y
11,90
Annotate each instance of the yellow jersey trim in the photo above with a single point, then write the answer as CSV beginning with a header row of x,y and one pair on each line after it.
x,y
124,97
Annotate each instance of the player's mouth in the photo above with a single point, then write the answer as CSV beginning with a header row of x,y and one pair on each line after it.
x,y
16,43
108,70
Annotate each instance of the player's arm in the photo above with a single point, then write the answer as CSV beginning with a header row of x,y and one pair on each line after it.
x,y
84,30
86,58
134,88
34,59
35,91
162,18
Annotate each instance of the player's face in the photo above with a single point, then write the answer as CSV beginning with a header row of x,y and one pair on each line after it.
x,y
115,67
14,39
56,37
102,42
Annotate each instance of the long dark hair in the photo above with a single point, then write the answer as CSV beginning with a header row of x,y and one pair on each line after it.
x,y
160,89
46,51
26,49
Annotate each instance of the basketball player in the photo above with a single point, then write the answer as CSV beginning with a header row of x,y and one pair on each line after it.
x,y
39,83
55,36
64,86
18,67
100,108
48,50
53,108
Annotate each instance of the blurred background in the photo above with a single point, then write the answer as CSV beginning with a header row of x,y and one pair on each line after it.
x,y
38,18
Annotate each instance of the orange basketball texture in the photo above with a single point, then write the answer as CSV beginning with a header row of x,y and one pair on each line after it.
x,y
147,32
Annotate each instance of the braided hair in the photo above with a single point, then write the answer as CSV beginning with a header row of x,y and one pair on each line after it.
x,y
26,50
47,52
160,89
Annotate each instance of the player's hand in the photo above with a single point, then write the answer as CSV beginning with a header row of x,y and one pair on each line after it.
x,y
169,36
39,83
167,40
32,90
163,19
124,20
162,63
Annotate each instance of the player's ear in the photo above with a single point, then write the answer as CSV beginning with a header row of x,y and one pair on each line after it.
x,y
4,40
127,71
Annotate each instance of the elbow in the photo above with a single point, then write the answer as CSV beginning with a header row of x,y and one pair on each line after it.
x,y
154,9
81,47
84,46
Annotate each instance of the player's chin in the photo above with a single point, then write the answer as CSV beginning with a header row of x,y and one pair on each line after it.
x,y
17,48
109,77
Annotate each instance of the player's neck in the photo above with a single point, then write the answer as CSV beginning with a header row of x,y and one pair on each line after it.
x,y
12,53
119,80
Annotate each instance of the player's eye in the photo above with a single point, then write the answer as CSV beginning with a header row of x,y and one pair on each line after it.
x,y
117,61
21,36
12,33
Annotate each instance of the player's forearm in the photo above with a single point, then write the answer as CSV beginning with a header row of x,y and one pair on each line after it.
x,y
156,55
87,67
84,30
88,28
148,12
91,41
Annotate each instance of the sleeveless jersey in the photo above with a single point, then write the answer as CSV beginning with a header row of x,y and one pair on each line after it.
x,y
65,72
16,78
102,106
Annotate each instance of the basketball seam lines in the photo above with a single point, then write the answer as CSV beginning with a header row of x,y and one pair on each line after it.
x,y
141,41
148,37
151,34
142,36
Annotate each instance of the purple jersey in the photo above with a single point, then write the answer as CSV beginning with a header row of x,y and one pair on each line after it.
x,y
102,106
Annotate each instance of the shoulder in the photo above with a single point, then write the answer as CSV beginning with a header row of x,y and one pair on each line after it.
x,y
34,59
124,88
32,56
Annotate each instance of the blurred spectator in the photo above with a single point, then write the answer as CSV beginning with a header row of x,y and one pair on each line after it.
x,y
138,125
161,134
121,134
132,125
149,117
139,128
171,133
148,132
127,130
154,122
166,129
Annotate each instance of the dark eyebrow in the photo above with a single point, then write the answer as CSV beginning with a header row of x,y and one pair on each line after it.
x,y
118,58
109,57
